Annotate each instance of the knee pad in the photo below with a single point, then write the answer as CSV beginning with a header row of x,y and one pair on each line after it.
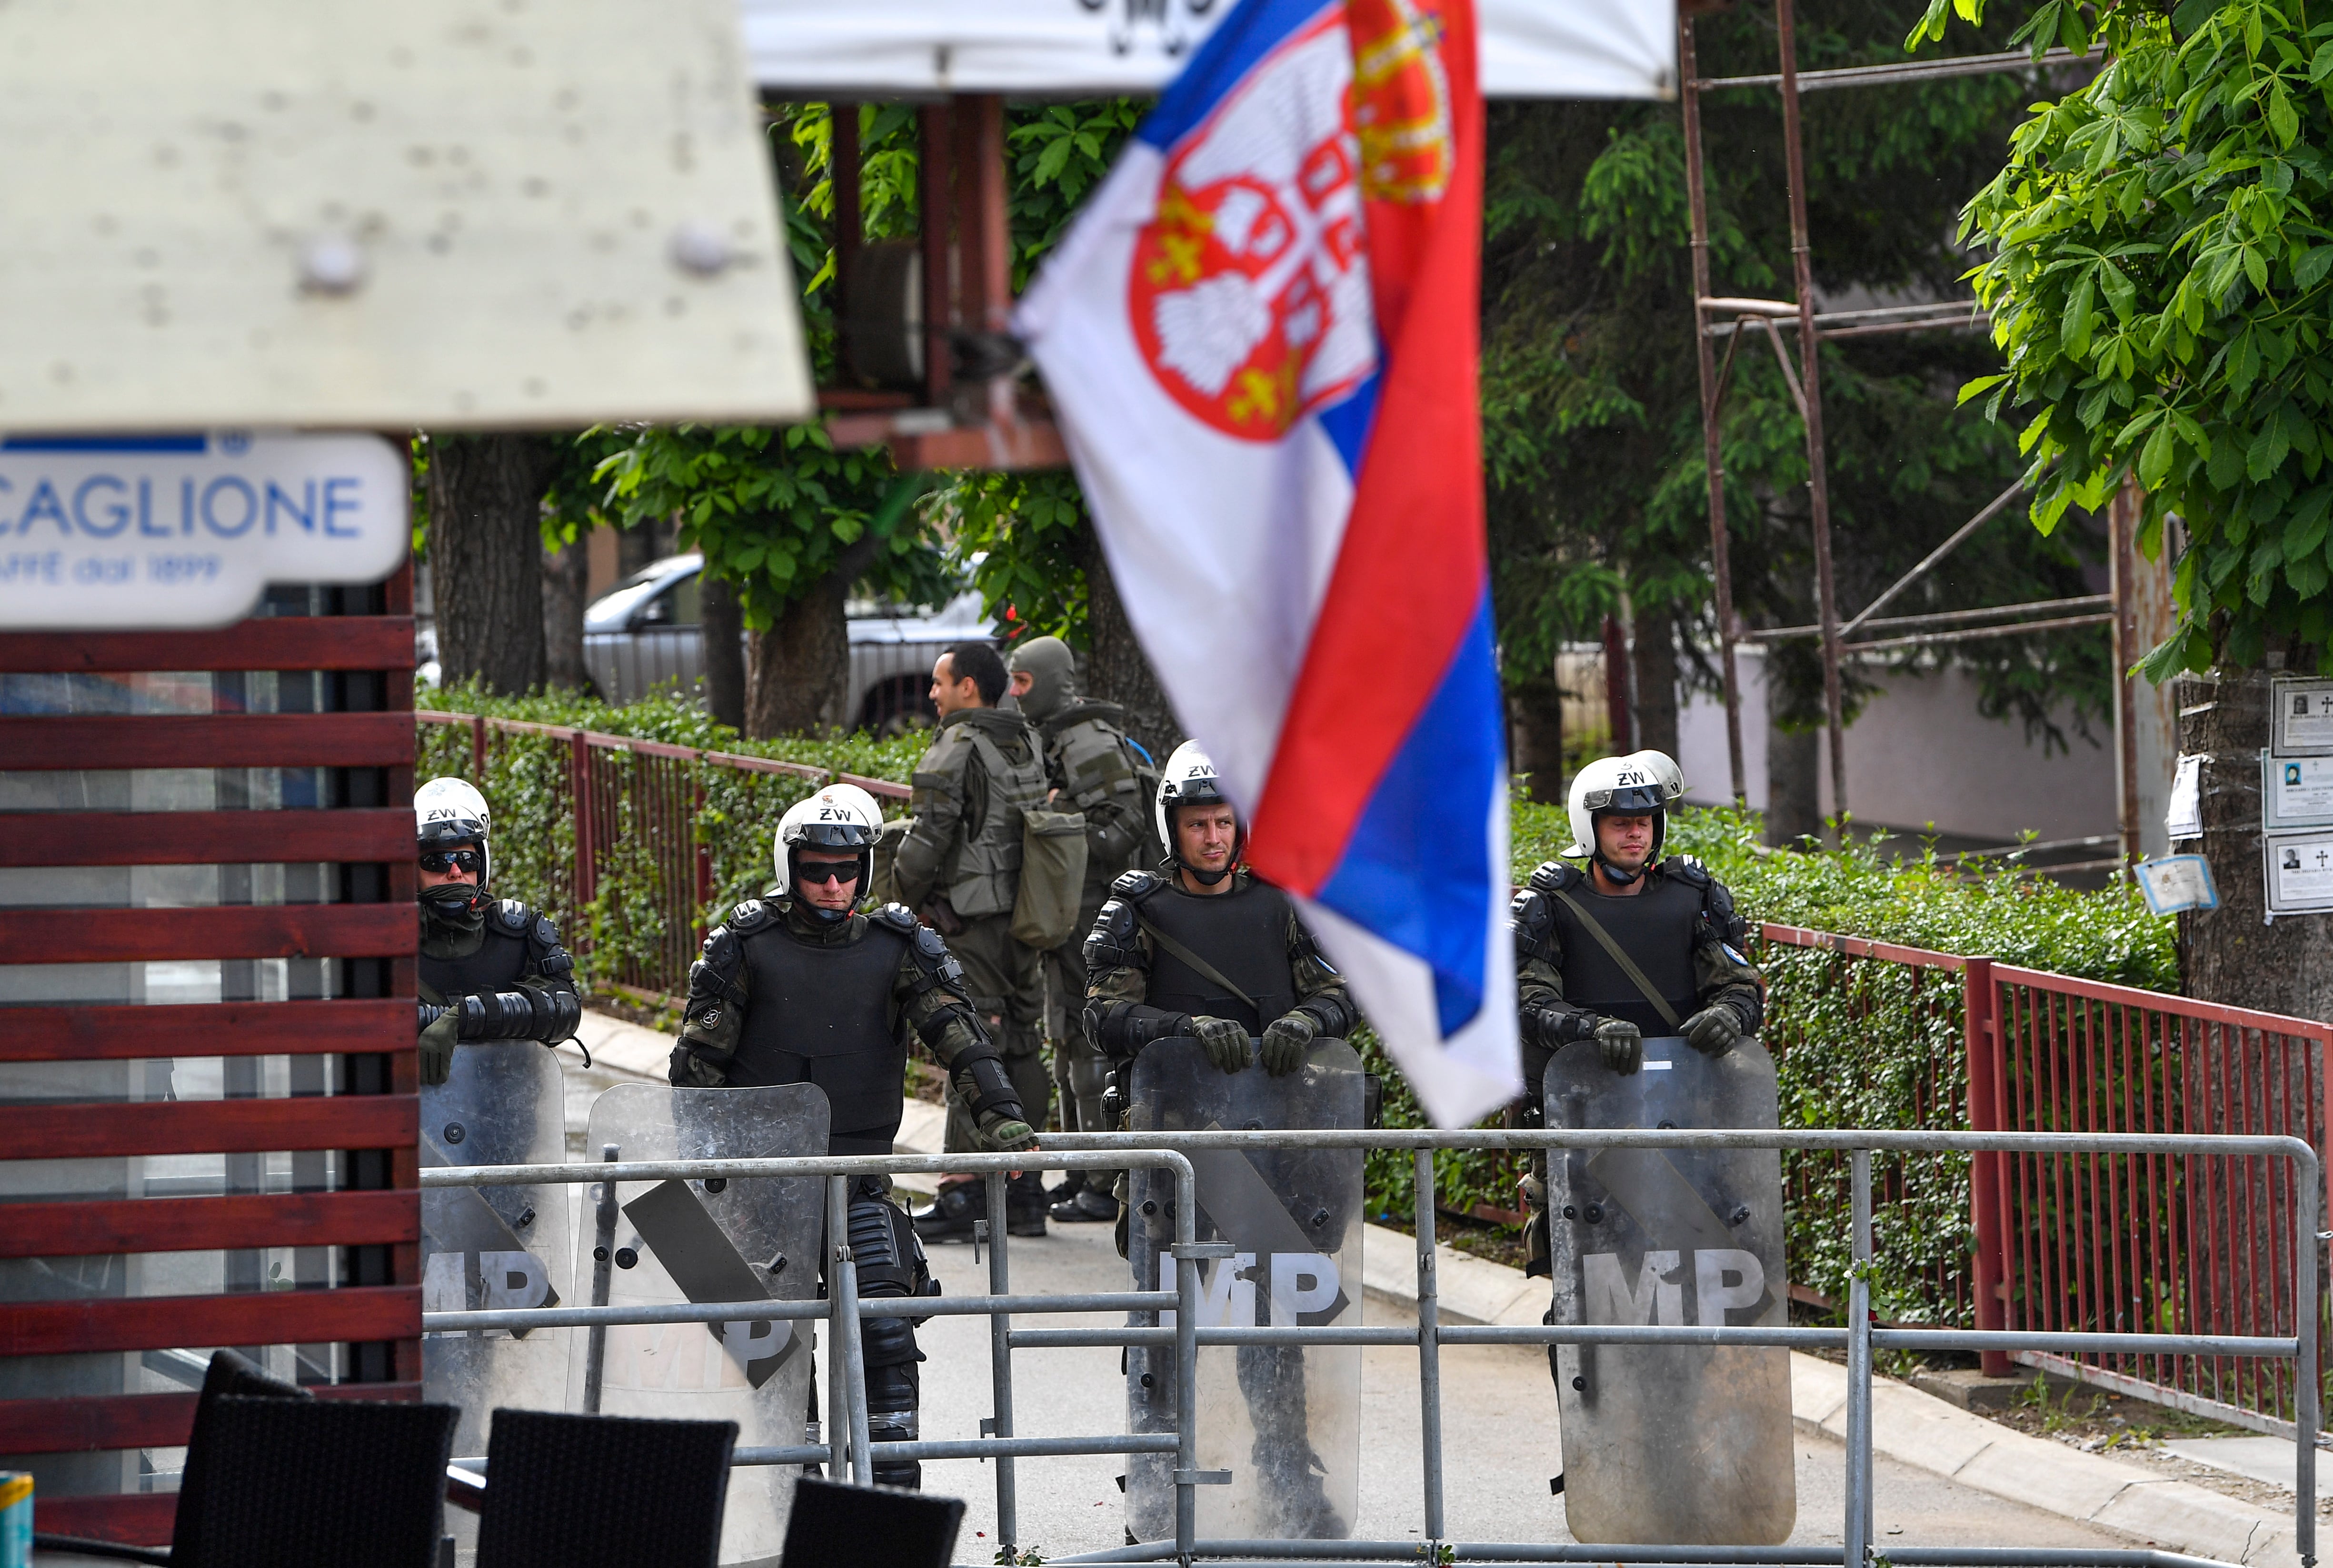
x,y
1088,1074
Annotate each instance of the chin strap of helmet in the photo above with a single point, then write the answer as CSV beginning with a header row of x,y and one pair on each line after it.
x,y
453,899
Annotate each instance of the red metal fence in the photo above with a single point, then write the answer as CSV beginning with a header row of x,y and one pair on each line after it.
x,y
621,856
2128,1243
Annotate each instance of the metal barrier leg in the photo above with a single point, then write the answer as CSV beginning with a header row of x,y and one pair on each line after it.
x,y
1000,1367
604,1250
845,1286
1429,1352
2307,1217
1857,1537
838,1393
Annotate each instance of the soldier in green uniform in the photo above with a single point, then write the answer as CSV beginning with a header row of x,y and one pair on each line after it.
x,y
959,869
1095,770
1674,923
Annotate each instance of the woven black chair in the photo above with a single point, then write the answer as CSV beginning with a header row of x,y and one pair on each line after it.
x,y
227,1374
837,1526
603,1492
353,1483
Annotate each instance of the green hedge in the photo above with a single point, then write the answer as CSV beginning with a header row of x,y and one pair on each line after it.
x,y
631,938
1858,1043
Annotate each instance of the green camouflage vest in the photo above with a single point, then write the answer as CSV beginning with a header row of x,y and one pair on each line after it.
x,y
983,875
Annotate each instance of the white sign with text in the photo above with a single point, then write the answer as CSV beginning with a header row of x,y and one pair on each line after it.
x,y
175,531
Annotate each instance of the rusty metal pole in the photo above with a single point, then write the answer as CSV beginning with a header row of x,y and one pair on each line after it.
x,y
2122,529
1713,458
1810,376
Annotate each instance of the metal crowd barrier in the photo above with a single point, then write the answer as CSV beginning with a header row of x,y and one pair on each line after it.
x,y
847,1425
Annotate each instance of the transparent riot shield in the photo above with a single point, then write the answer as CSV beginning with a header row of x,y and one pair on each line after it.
x,y
651,1242
490,1248
1283,1420
1683,1444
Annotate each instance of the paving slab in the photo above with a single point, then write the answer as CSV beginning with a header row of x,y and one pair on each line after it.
x,y
2257,1459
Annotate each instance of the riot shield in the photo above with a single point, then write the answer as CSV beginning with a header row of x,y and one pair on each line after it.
x,y
489,1247
1283,1420
703,1241
1683,1444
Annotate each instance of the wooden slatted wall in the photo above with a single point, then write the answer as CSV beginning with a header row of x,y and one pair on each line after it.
x,y
362,1320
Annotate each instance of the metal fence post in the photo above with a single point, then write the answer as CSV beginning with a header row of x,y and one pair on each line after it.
x,y
1857,1535
1983,1036
478,747
579,769
1000,1364
1429,1351
2306,1222
843,1283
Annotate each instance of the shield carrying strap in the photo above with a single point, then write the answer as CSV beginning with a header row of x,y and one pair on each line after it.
x,y
1207,970
1627,965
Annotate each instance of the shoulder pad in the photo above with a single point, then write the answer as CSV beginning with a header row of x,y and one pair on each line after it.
x,y
514,914
896,917
1687,869
720,946
1557,877
1137,885
545,931
749,916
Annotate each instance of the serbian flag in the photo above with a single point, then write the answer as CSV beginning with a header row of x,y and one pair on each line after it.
x,y
1260,340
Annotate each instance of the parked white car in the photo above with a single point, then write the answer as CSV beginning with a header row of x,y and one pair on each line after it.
x,y
647,631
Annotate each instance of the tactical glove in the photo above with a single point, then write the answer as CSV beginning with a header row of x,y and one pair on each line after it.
x,y
1713,1030
1002,1130
437,1040
1621,1044
1224,1041
1285,1042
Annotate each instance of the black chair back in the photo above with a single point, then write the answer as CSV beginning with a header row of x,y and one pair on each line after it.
x,y
603,1492
229,1375
837,1526
297,1483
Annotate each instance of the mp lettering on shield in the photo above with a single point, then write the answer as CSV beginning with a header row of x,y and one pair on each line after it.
x,y
1301,1290
484,1282
1725,1279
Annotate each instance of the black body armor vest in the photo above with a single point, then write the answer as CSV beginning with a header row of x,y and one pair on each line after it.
x,y
822,1015
1655,928
1243,933
500,962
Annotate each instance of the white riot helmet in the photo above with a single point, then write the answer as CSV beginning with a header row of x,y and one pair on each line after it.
x,y
1189,780
1643,784
839,817
449,814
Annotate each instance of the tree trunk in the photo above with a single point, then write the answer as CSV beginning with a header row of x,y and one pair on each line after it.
x,y
724,622
1536,708
566,575
1655,656
1115,668
1793,807
800,673
486,555
2229,955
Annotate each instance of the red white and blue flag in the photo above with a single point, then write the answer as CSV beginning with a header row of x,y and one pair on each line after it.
x,y
1261,342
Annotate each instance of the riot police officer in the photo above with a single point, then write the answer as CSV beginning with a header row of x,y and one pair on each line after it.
x,y
1205,949
1628,946
1095,770
490,969
803,988
959,868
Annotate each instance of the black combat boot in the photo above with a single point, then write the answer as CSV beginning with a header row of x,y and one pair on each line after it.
x,y
951,1215
1024,1204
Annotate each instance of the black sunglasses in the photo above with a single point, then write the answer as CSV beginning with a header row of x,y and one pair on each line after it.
x,y
443,860
814,872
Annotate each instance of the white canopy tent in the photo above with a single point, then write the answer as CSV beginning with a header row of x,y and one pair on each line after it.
x,y
1530,48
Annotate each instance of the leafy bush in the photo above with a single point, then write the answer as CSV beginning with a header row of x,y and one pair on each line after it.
x,y
1856,1043
628,933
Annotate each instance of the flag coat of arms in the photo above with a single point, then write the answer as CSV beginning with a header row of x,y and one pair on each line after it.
x,y
1260,338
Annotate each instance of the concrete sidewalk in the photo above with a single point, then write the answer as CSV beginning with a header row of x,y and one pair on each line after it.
x,y
1909,1427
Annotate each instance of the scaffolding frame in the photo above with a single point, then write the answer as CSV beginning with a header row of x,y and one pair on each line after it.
x,y
1730,319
